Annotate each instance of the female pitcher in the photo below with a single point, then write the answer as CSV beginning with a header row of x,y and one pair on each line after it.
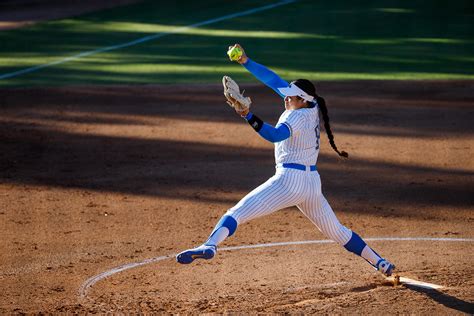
x,y
296,181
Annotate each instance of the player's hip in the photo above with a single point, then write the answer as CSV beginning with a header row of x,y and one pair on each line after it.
x,y
301,180
288,187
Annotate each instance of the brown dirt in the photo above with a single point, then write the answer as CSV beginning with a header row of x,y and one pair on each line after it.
x,y
96,177
19,13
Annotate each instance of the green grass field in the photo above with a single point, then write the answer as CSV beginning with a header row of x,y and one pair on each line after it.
x,y
318,40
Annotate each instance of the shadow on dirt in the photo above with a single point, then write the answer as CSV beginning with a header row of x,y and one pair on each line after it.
x,y
192,170
34,152
429,108
445,299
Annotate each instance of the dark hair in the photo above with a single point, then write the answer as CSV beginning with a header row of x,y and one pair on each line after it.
x,y
308,87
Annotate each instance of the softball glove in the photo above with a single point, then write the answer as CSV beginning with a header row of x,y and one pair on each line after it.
x,y
234,98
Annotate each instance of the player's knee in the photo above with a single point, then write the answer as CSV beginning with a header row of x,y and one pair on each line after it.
x,y
338,233
228,222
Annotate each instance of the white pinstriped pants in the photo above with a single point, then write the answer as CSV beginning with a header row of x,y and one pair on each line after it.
x,y
290,187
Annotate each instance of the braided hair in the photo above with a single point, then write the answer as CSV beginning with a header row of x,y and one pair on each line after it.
x,y
308,87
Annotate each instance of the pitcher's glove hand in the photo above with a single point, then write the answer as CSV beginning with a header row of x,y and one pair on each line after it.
x,y
234,98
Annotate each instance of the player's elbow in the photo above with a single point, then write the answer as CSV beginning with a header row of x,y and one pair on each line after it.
x,y
275,138
274,135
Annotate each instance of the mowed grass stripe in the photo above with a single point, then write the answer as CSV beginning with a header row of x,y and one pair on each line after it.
x,y
318,40
140,40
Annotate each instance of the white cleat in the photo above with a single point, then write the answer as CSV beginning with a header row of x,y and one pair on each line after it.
x,y
201,252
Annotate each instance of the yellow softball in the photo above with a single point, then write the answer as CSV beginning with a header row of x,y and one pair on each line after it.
x,y
234,53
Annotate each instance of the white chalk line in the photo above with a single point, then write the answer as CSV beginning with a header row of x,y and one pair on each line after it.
x,y
93,280
144,39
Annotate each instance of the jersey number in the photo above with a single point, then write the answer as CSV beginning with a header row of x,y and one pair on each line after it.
x,y
318,135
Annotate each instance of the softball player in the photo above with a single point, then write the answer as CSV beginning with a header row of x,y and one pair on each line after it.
x,y
296,181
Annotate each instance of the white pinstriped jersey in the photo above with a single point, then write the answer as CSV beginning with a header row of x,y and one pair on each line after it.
x,y
289,186
292,187
302,146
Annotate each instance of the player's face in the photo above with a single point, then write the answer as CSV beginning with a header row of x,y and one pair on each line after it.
x,y
294,103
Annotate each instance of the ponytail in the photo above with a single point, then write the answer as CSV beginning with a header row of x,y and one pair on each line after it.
x,y
308,87
324,112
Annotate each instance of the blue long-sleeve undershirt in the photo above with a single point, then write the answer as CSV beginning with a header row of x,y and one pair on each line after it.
x,y
272,134
272,80
275,134
266,76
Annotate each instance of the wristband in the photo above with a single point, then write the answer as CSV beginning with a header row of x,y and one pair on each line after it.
x,y
254,121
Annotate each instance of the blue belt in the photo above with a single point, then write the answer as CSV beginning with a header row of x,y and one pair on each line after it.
x,y
298,166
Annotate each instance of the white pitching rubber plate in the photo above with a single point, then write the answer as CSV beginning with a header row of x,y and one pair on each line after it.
x,y
412,282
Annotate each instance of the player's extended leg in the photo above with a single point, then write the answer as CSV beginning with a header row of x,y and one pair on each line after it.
x,y
318,210
276,193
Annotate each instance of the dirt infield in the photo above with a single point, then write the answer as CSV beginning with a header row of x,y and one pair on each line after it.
x,y
92,178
